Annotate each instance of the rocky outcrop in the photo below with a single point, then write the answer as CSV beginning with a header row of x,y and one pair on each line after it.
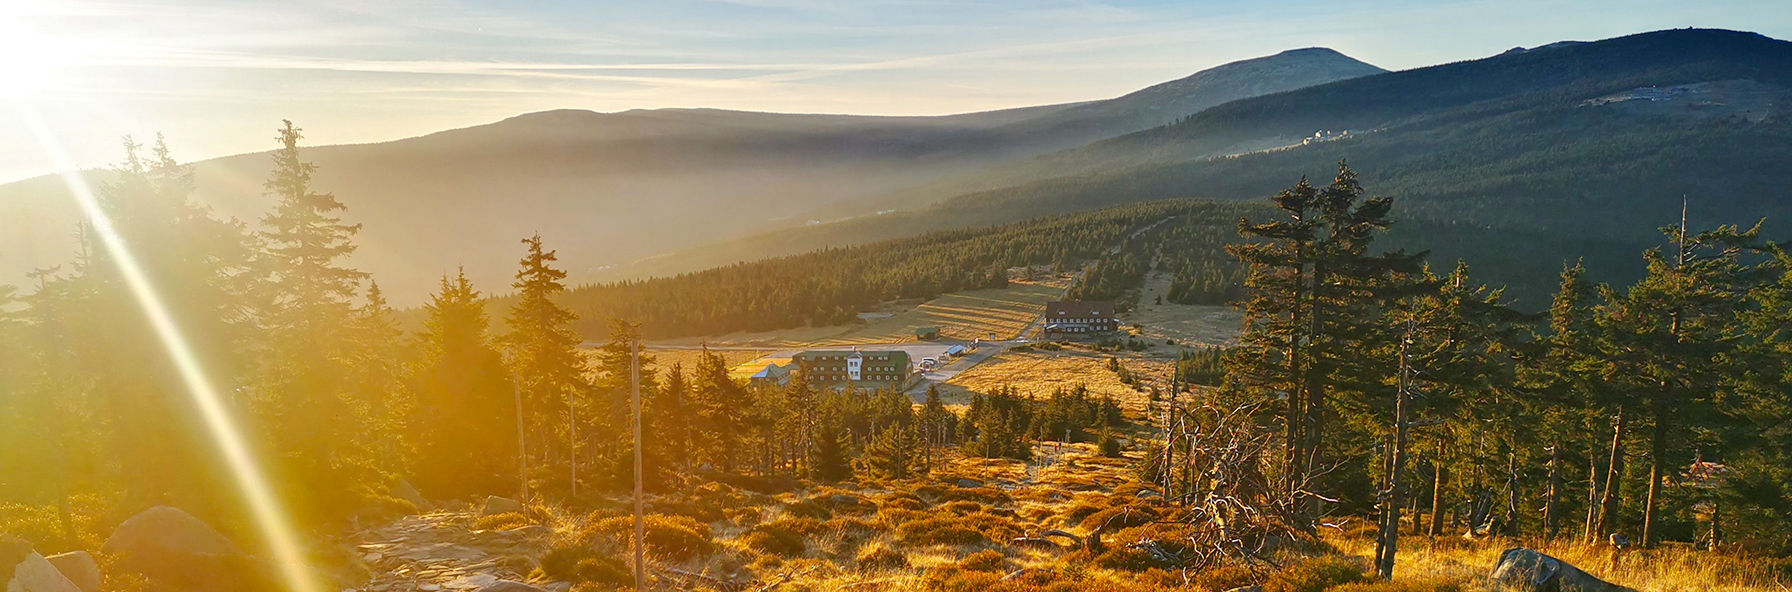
x,y
23,570
405,491
1526,570
174,550
79,567
500,505
510,586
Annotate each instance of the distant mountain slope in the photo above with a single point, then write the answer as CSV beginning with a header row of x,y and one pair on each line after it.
x,y
1589,143
609,188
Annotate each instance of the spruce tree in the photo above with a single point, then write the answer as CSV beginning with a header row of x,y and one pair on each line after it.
x,y
542,352
464,420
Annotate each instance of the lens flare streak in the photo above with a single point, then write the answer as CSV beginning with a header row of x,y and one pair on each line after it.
x,y
264,505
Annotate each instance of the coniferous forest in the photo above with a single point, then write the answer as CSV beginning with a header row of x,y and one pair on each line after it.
x,y
1366,381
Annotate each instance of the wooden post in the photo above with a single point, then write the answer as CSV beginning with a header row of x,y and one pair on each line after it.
x,y
634,380
522,446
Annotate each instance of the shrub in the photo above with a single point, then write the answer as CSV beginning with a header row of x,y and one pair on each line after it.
x,y
1315,575
1400,586
808,509
901,501
500,521
939,531
1225,578
881,557
579,564
674,537
987,495
1120,517
985,560
962,507
775,538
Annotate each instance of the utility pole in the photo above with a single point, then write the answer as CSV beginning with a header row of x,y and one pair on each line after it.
x,y
522,446
634,381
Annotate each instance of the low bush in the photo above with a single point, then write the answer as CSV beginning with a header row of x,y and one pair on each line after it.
x,y
1400,586
881,557
940,531
776,538
501,521
1120,517
1317,574
674,537
808,509
579,564
985,560
986,495
1221,579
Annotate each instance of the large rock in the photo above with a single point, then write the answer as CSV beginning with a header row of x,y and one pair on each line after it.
x,y
500,505
79,567
23,570
173,550
509,586
405,491
163,530
1526,570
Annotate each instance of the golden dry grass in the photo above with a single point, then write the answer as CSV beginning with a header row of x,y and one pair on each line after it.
x,y
1670,568
963,315
1041,372
1189,325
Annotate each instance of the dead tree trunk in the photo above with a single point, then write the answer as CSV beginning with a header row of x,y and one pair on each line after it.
x,y
1438,475
1387,544
1551,509
1614,479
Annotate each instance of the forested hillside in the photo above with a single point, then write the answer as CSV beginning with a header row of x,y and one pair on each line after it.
x,y
1554,144
829,286
611,188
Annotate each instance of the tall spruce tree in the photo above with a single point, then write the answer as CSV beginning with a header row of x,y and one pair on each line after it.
x,y
542,352
464,419
306,386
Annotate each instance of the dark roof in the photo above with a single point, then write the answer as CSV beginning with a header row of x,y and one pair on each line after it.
x,y
1079,308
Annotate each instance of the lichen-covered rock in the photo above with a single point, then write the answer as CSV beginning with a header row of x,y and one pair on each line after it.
x,y
509,586
1527,570
500,505
175,551
79,567
23,570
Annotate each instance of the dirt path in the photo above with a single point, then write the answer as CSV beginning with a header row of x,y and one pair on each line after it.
x,y
438,552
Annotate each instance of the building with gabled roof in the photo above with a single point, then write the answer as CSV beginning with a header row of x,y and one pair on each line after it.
x,y
854,367
1079,317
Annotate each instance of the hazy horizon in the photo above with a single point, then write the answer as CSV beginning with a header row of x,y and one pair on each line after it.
x,y
217,77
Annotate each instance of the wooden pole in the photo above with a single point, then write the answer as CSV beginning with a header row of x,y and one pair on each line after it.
x,y
634,378
522,446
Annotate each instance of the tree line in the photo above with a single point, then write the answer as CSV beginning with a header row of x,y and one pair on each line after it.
x,y
1654,411
342,401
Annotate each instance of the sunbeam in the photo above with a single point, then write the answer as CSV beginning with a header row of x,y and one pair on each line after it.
x,y
264,505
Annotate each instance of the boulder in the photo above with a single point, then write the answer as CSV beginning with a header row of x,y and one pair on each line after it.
x,y
405,491
968,483
79,567
166,530
173,550
1527,570
23,570
500,505
509,586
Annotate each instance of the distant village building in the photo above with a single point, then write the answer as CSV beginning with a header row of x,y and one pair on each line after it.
x,y
1076,317
772,375
854,367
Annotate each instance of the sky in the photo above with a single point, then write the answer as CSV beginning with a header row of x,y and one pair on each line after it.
x,y
216,77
